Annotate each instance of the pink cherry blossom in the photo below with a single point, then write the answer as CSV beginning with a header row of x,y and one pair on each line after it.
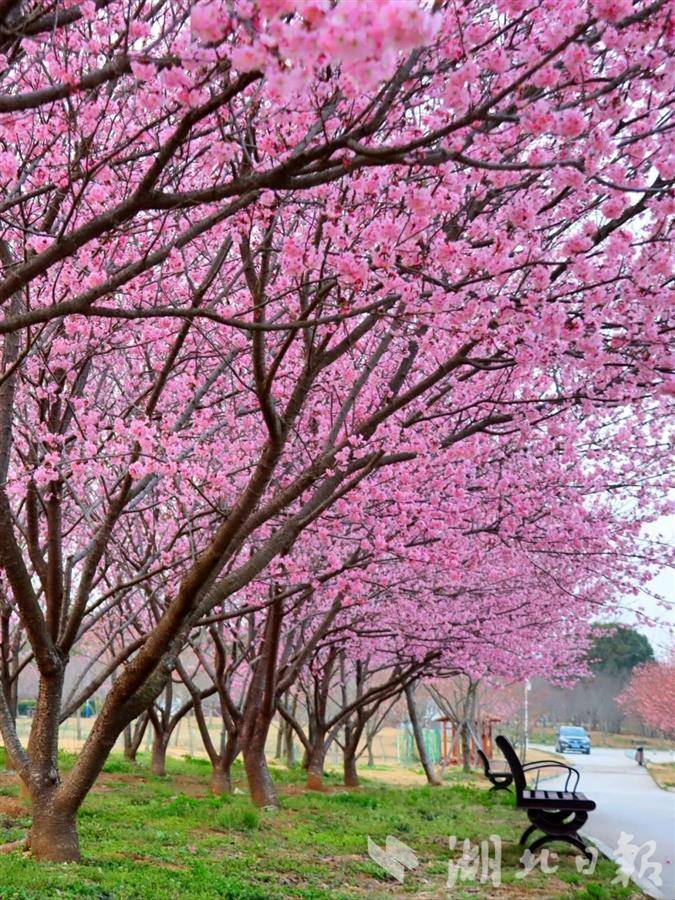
x,y
331,323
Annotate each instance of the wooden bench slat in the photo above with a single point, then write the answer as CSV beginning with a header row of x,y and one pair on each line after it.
x,y
552,799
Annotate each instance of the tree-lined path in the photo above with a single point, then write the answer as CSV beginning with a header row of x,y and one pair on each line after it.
x,y
336,354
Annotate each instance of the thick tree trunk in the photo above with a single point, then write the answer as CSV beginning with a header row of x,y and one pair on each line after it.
x,y
221,779
315,761
260,784
351,777
53,833
221,776
259,711
427,765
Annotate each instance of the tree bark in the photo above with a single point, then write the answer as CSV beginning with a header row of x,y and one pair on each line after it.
x,y
464,739
221,776
260,784
258,712
290,745
133,737
280,741
53,834
369,751
351,776
427,765
128,748
315,761
465,728
221,779
158,761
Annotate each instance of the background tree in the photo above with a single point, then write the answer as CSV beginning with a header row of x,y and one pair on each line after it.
x,y
614,653
650,695
617,649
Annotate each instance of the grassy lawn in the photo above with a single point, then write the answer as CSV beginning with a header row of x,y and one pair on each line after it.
x,y
148,837
663,774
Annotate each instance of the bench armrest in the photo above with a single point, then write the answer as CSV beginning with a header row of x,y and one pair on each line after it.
x,y
551,764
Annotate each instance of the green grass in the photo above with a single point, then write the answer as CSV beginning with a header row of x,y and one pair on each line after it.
x,y
165,838
663,774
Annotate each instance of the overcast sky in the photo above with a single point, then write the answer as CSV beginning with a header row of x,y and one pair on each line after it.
x,y
662,636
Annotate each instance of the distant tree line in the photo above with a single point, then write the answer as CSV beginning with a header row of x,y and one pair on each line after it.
x,y
615,652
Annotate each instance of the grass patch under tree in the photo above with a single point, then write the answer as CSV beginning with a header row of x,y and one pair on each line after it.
x,y
149,837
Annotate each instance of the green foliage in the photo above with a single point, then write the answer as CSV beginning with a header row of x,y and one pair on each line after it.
x,y
618,650
148,838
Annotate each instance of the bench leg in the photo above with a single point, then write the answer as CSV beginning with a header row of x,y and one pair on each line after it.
x,y
574,839
557,825
500,786
525,835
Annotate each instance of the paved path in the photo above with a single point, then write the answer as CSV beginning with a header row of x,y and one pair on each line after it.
x,y
629,802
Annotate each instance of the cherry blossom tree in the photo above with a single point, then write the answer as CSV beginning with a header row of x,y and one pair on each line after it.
x,y
650,696
271,265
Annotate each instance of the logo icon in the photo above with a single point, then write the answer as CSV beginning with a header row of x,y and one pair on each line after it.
x,y
395,858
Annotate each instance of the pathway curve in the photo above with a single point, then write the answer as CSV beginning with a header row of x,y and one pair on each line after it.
x,y
628,802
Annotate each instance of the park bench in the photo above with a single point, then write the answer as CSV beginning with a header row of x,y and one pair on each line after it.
x,y
558,814
502,779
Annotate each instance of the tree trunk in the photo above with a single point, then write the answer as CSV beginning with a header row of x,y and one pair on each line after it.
x,y
53,833
221,779
280,741
158,762
252,739
260,784
465,741
260,706
427,765
133,737
315,761
465,732
290,745
369,751
351,777
129,752
221,776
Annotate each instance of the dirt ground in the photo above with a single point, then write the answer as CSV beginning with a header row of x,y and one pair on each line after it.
x,y
186,740
389,767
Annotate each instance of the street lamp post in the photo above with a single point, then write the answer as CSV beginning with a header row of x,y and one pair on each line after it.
x,y
528,688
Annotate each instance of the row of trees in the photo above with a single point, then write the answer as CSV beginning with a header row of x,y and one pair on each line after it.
x,y
335,352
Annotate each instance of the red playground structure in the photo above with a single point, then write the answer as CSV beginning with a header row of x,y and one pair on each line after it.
x,y
480,733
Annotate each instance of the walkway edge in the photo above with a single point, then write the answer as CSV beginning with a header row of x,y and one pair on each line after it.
x,y
643,883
